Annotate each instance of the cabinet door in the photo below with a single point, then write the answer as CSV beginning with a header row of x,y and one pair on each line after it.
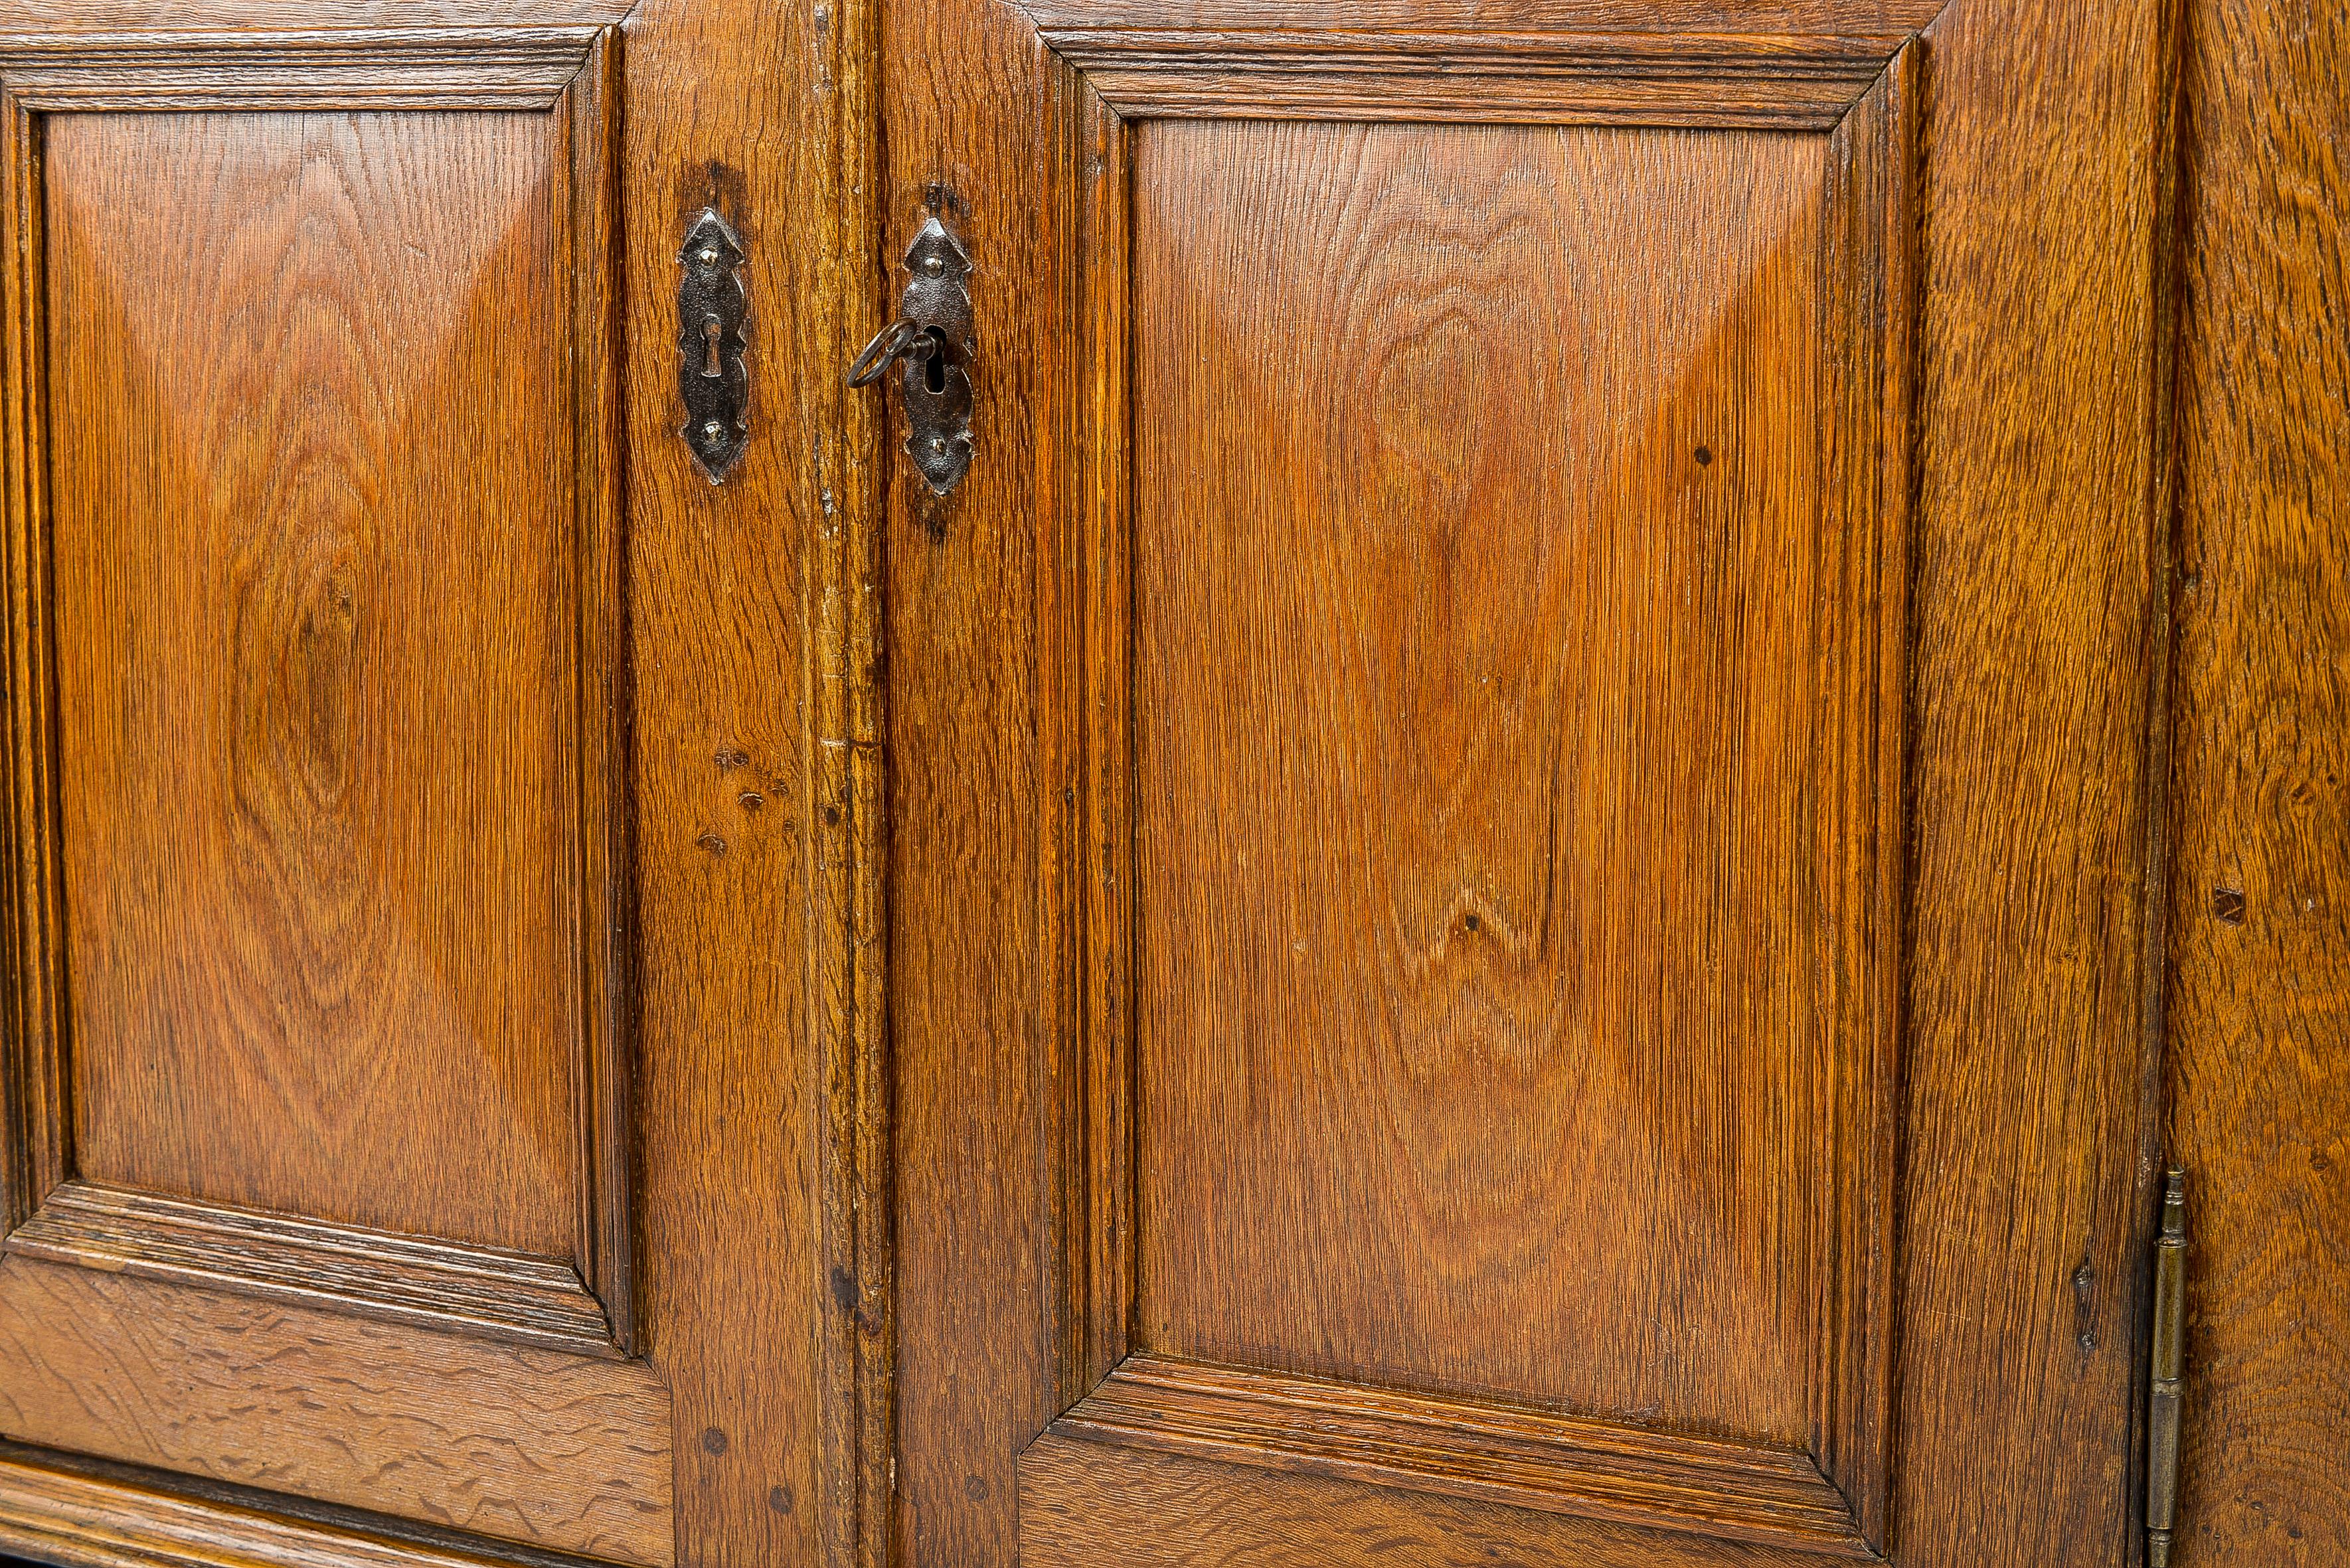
x,y
1493,771
410,1098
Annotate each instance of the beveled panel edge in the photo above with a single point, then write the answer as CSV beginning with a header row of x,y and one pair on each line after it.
x,y
1524,1457
487,1292
1085,733
1868,340
385,69
572,72
156,1517
1869,304
602,913
33,1143
524,1451
1753,80
86,1520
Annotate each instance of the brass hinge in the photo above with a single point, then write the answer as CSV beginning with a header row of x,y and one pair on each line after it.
x,y
2166,1363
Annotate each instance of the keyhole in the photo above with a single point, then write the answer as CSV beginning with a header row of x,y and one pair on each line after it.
x,y
934,361
712,329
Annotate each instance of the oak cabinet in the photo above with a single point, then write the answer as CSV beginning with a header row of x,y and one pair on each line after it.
x,y
1489,806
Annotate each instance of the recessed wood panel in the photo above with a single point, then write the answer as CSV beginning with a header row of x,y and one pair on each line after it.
x,y
1479,763
317,645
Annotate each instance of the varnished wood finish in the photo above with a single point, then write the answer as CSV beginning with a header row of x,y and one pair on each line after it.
x,y
752,616
1168,1510
2029,1182
2012,1014
88,1522
1309,1089
2019,1022
565,1452
2259,1083
1445,1448
732,653
319,962
1463,691
316,68
1664,79
402,1278
305,841
461,20
1814,19
1247,241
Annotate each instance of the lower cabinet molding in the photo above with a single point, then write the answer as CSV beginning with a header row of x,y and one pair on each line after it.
x,y
84,1520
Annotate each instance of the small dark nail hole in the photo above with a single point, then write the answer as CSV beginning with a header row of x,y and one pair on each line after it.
x,y
1704,456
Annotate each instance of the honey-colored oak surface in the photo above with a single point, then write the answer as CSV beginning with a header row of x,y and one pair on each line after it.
x,y
569,1452
1082,1507
2033,653
89,1520
1474,657
316,664
1061,1202
1816,17
2028,1190
410,287
55,18
2259,1076
1421,1447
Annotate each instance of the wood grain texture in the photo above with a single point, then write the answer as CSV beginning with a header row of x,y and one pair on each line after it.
x,y
384,68
2029,1172
755,786
314,730
980,1066
1449,1447
1082,1505
371,1273
961,768
2258,1072
1815,18
2030,691
568,210
1868,466
767,1274
89,1521
565,1452
1665,78
1477,726
58,18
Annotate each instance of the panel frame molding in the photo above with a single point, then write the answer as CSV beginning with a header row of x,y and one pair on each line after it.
x,y
88,1519
1832,1496
491,1293
1780,81
572,74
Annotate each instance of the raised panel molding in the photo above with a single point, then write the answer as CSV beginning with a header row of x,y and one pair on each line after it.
x,y
439,1285
512,68
1762,81
98,1522
1831,1497
569,73
507,1442
1482,1451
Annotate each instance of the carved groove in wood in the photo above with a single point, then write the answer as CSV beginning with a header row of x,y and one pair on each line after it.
x,y
1831,1497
